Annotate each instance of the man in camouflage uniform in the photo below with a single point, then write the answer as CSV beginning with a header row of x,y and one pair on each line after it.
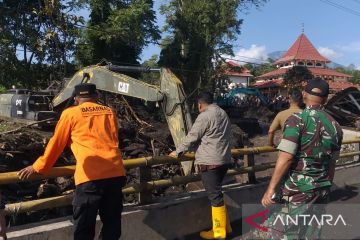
x,y
308,151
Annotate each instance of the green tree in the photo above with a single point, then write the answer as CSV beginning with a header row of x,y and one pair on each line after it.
x,y
249,66
36,37
356,76
153,77
296,75
351,70
262,69
200,32
118,30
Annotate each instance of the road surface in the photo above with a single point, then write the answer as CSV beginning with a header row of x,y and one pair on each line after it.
x,y
349,195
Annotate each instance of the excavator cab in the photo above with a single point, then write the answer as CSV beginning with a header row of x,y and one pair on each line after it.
x,y
23,105
170,95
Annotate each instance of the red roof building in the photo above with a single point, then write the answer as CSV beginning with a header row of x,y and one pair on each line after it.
x,y
268,84
303,53
335,86
302,50
237,74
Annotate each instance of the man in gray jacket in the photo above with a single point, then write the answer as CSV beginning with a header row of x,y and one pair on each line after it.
x,y
210,136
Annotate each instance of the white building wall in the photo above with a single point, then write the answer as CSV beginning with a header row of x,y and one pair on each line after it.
x,y
237,79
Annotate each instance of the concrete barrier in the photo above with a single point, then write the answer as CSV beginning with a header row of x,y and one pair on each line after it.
x,y
169,219
175,218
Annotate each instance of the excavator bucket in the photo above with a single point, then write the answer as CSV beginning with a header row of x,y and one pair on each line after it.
x,y
176,110
171,95
344,106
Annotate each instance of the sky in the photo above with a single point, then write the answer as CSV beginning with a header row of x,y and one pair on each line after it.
x,y
275,26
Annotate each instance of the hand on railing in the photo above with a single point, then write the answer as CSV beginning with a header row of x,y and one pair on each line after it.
x,y
26,173
173,154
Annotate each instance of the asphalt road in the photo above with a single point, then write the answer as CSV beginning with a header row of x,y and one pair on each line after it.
x,y
348,195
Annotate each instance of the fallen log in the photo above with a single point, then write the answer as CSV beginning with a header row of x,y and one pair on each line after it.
x,y
26,126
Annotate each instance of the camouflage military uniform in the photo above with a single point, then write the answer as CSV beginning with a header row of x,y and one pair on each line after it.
x,y
314,139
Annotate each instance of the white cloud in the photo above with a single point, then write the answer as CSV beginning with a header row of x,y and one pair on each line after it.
x,y
254,54
329,53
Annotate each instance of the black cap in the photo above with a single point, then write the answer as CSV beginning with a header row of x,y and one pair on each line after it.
x,y
85,89
320,84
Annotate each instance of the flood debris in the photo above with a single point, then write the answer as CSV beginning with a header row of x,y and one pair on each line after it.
x,y
143,131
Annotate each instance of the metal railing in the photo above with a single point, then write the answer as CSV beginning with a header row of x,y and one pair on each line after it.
x,y
146,186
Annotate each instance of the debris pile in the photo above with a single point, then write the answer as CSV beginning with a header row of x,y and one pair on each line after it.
x,y
142,132
262,114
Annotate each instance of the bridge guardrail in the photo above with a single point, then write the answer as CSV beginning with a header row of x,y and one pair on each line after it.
x,y
146,186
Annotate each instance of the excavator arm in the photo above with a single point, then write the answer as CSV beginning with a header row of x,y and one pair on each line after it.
x,y
170,95
109,81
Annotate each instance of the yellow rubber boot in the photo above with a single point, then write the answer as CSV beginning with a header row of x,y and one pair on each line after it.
x,y
219,224
210,233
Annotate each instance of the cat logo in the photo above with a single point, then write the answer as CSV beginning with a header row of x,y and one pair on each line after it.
x,y
123,87
18,102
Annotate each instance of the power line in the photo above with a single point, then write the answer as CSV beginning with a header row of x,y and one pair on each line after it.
x,y
341,7
166,45
240,56
188,70
225,58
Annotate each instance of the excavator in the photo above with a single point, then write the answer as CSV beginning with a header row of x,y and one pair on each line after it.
x,y
25,105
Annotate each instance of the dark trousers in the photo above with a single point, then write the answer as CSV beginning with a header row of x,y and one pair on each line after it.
x,y
100,196
212,179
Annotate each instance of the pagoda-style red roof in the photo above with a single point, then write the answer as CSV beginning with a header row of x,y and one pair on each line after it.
x,y
302,49
242,72
314,71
